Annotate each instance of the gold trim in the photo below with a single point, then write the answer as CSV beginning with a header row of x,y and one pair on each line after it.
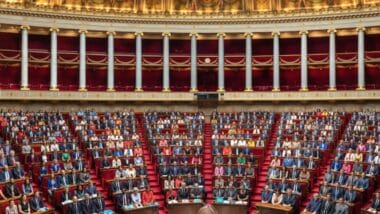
x,y
166,34
361,29
333,30
82,89
139,34
220,90
360,88
139,90
166,90
304,89
24,88
248,90
111,32
302,32
82,31
332,89
220,35
248,34
110,90
194,34
54,29
193,90
54,88
276,33
276,90
24,27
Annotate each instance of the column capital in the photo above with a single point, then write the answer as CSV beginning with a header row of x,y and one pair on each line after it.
x,y
113,33
139,34
54,29
193,34
82,31
276,33
332,30
221,35
166,34
248,34
303,32
24,27
358,29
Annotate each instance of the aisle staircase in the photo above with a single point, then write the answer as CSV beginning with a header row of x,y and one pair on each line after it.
x,y
261,175
207,169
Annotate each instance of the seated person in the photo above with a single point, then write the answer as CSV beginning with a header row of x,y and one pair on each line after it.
x,y
55,167
289,199
99,204
11,208
18,172
217,192
230,193
340,206
328,205
27,187
349,195
171,195
6,175
362,182
74,177
75,207
36,203
11,189
148,197
79,192
276,198
372,169
123,200
375,205
314,205
91,189
87,205
24,205
52,184
196,192
136,198
183,192
63,179
242,194
66,195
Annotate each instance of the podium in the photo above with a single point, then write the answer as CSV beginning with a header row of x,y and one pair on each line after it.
x,y
184,207
266,208
230,208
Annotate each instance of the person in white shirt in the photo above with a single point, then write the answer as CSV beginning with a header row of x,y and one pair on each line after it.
x,y
130,171
54,147
116,162
136,197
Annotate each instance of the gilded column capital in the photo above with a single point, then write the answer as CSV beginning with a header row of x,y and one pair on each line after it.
x,y
54,29
221,35
139,34
303,32
113,33
358,29
166,34
332,30
276,33
82,31
24,27
193,34
248,34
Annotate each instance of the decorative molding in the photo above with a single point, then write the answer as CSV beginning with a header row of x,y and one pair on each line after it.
x,y
333,30
276,33
166,34
303,32
139,34
54,29
270,96
220,35
194,34
361,29
113,33
82,31
248,34
24,27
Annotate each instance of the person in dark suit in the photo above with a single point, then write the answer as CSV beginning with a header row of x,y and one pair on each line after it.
x,y
328,205
341,207
266,195
336,165
289,199
341,178
7,174
117,185
314,205
175,170
375,205
87,205
183,192
63,179
91,189
36,202
324,189
105,163
55,167
337,192
196,192
123,199
282,186
74,177
296,187
230,193
350,195
76,207
372,169
98,204
217,192
66,195
164,169
11,189
362,182
17,171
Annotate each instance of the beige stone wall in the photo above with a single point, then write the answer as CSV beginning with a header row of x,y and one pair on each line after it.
x,y
190,107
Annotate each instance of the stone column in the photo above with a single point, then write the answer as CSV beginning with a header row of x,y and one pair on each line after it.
x,y
110,67
276,61
361,59
53,59
82,60
332,58
221,61
138,83
193,66
166,64
304,68
24,58
248,62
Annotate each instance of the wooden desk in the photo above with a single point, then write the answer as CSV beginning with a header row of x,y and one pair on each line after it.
x,y
222,208
266,208
142,210
184,208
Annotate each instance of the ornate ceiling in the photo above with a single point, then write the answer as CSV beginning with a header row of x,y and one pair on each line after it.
x,y
191,7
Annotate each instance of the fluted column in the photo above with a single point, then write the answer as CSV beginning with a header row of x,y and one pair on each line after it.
x,y
332,58
304,85
24,58
82,60
166,66
361,60
248,62
110,67
193,69
276,61
53,59
138,83
221,61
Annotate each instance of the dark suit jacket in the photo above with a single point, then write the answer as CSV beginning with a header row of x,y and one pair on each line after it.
x,y
76,209
98,207
36,203
8,190
87,206
327,208
64,198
